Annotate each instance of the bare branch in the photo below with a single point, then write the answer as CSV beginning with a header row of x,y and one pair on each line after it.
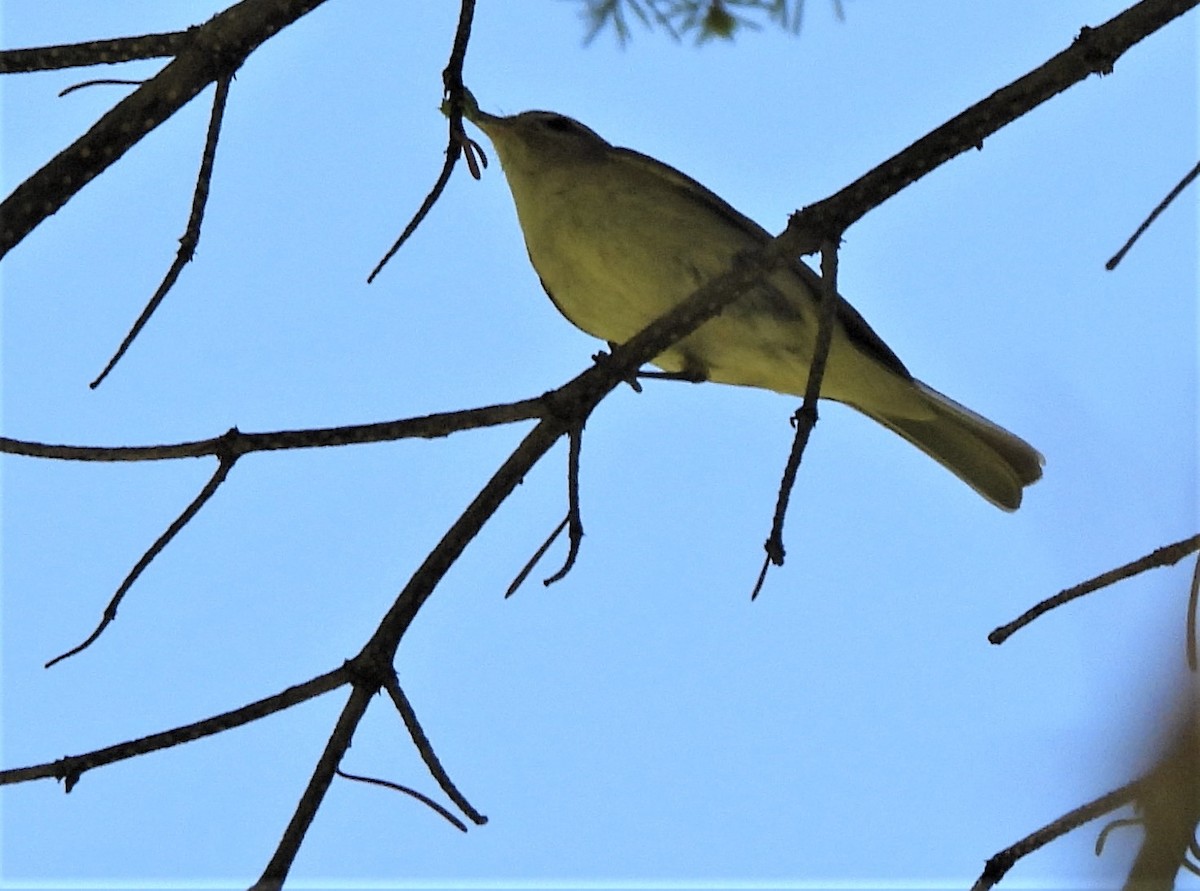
x,y
574,517
1002,862
100,82
191,234
235,441
1162,205
314,793
1164,556
572,403
110,611
215,49
537,555
805,418
73,767
409,715
424,799
458,140
1094,51
95,52
1193,599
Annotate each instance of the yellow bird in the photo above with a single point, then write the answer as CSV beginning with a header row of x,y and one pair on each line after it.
x,y
619,238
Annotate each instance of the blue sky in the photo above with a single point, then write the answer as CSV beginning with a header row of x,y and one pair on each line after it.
x,y
641,721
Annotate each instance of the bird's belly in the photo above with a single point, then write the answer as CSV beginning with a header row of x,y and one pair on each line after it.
x,y
612,286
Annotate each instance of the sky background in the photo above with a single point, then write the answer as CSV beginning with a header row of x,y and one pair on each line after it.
x,y
641,721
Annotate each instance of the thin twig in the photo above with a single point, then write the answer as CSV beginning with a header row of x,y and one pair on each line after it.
x,y
1193,597
458,140
574,516
1164,556
805,418
537,555
70,769
1002,862
191,234
110,611
453,150
409,715
1102,836
1162,205
100,82
213,50
424,799
426,427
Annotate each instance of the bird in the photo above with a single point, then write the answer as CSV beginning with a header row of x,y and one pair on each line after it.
x,y
619,238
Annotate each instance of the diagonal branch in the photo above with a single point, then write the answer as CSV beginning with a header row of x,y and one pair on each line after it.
x,y
73,767
339,741
1146,223
94,52
572,404
215,49
1002,862
413,793
1167,555
191,234
110,611
536,558
409,715
1094,51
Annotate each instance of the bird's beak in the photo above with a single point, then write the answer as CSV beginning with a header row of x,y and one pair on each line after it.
x,y
473,113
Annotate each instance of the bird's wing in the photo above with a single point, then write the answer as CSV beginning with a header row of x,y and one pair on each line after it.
x,y
859,332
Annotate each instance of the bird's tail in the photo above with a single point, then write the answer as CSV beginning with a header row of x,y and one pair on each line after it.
x,y
995,463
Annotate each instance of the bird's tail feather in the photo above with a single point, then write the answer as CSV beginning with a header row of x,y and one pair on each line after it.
x,y
995,463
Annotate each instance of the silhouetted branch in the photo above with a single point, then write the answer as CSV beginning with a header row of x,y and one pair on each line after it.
x,y
1094,51
537,555
1162,205
234,440
211,51
572,404
110,611
71,768
458,140
99,82
1002,862
191,234
424,799
1164,556
805,418
94,52
574,516
409,715
314,793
